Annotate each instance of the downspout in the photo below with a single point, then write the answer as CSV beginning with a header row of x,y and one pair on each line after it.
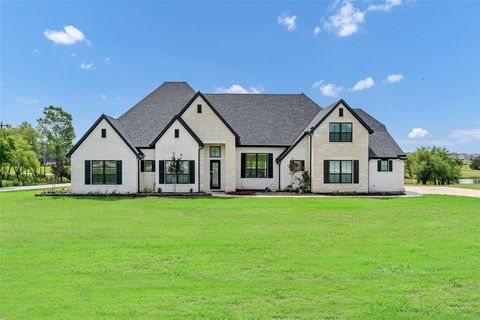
x,y
279,174
138,175
311,165
198,165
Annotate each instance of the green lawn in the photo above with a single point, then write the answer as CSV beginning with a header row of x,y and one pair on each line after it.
x,y
468,173
290,258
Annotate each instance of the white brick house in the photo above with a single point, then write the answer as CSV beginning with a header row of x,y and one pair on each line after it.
x,y
233,142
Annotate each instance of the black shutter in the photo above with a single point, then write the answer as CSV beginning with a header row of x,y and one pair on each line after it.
x,y
355,171
161,171
192,171
270,165
153,165
302,165
87,171
119,171
379,165
243,165
326,171
390,165
142,166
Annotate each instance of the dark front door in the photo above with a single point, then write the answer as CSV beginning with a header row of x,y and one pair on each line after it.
x,y
214,174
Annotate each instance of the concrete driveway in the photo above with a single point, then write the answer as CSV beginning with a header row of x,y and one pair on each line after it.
x,y
443,190
43,186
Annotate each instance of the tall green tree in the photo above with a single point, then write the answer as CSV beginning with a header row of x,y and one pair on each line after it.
x,y
24,160
57,128
7,146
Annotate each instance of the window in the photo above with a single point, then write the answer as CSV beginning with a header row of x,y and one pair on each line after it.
x,y
340,171
340,112
215,152
340,132
183,177
256,165
147,166
104,172
199,108
177,133
384,165
104,133
298,165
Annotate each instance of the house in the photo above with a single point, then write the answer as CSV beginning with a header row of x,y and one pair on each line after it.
x,y
232,142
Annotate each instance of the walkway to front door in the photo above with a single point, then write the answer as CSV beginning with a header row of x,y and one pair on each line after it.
x,y
214,174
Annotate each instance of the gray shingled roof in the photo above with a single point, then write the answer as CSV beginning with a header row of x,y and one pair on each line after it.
x,y
256,117
381,144
259,119
144,121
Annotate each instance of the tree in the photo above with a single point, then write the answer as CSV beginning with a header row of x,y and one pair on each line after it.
x,y
23,159
475,164
175,168
56,126
7,146
433,165
31,136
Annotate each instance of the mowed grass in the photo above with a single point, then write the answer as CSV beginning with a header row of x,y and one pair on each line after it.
x,y
468,173
242,258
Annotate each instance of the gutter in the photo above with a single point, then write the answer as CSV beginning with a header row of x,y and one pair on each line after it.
x,y
198,168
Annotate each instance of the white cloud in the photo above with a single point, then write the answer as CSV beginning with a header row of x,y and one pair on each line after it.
x,y
25,100
69,36
288,21
103,96
236,88
328,89
36,50
386,6
346,21
73,54
87,66
363,84
317,31
417,133
107,60
395,77
465,135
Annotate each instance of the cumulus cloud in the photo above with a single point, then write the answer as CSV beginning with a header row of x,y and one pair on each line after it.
x,y
346,21
328,89
417,133
288,21
317,31
465,135
363,84
69,35
236,88
395,77
86,66
386,6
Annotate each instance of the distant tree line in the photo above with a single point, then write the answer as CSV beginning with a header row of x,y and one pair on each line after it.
x,y
433,165
25,149
475,164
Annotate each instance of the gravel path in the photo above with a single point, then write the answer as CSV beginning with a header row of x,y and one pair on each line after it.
x,y
443,190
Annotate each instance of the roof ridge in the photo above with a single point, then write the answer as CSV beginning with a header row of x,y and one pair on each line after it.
x,y
255,94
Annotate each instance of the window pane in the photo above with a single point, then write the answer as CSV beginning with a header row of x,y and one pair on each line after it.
x,y
148,165
384,165
346,177
251,160
334,178
334,166
262,161
346,127
110,167
214,152
347,166
334,127
97,167
169,178
185,167
183,178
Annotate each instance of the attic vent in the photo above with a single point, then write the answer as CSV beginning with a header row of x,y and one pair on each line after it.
x,y
199,108
340,112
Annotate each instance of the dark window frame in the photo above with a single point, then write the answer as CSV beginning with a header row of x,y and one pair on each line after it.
x,y
340,112
199,108
340,174
382,162
152,167
104,133
176,133
256,170
103,175
340,136
171,176
219,152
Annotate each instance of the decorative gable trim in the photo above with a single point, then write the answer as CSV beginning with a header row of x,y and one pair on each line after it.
x,y
199,94
184,124
137,153
341,101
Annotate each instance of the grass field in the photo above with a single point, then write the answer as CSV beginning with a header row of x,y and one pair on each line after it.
x,y
468,173
322,258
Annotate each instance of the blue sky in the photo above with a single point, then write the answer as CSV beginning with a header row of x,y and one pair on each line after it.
x,y
103,57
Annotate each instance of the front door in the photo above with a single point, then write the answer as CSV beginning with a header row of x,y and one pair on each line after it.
x,y
214,174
